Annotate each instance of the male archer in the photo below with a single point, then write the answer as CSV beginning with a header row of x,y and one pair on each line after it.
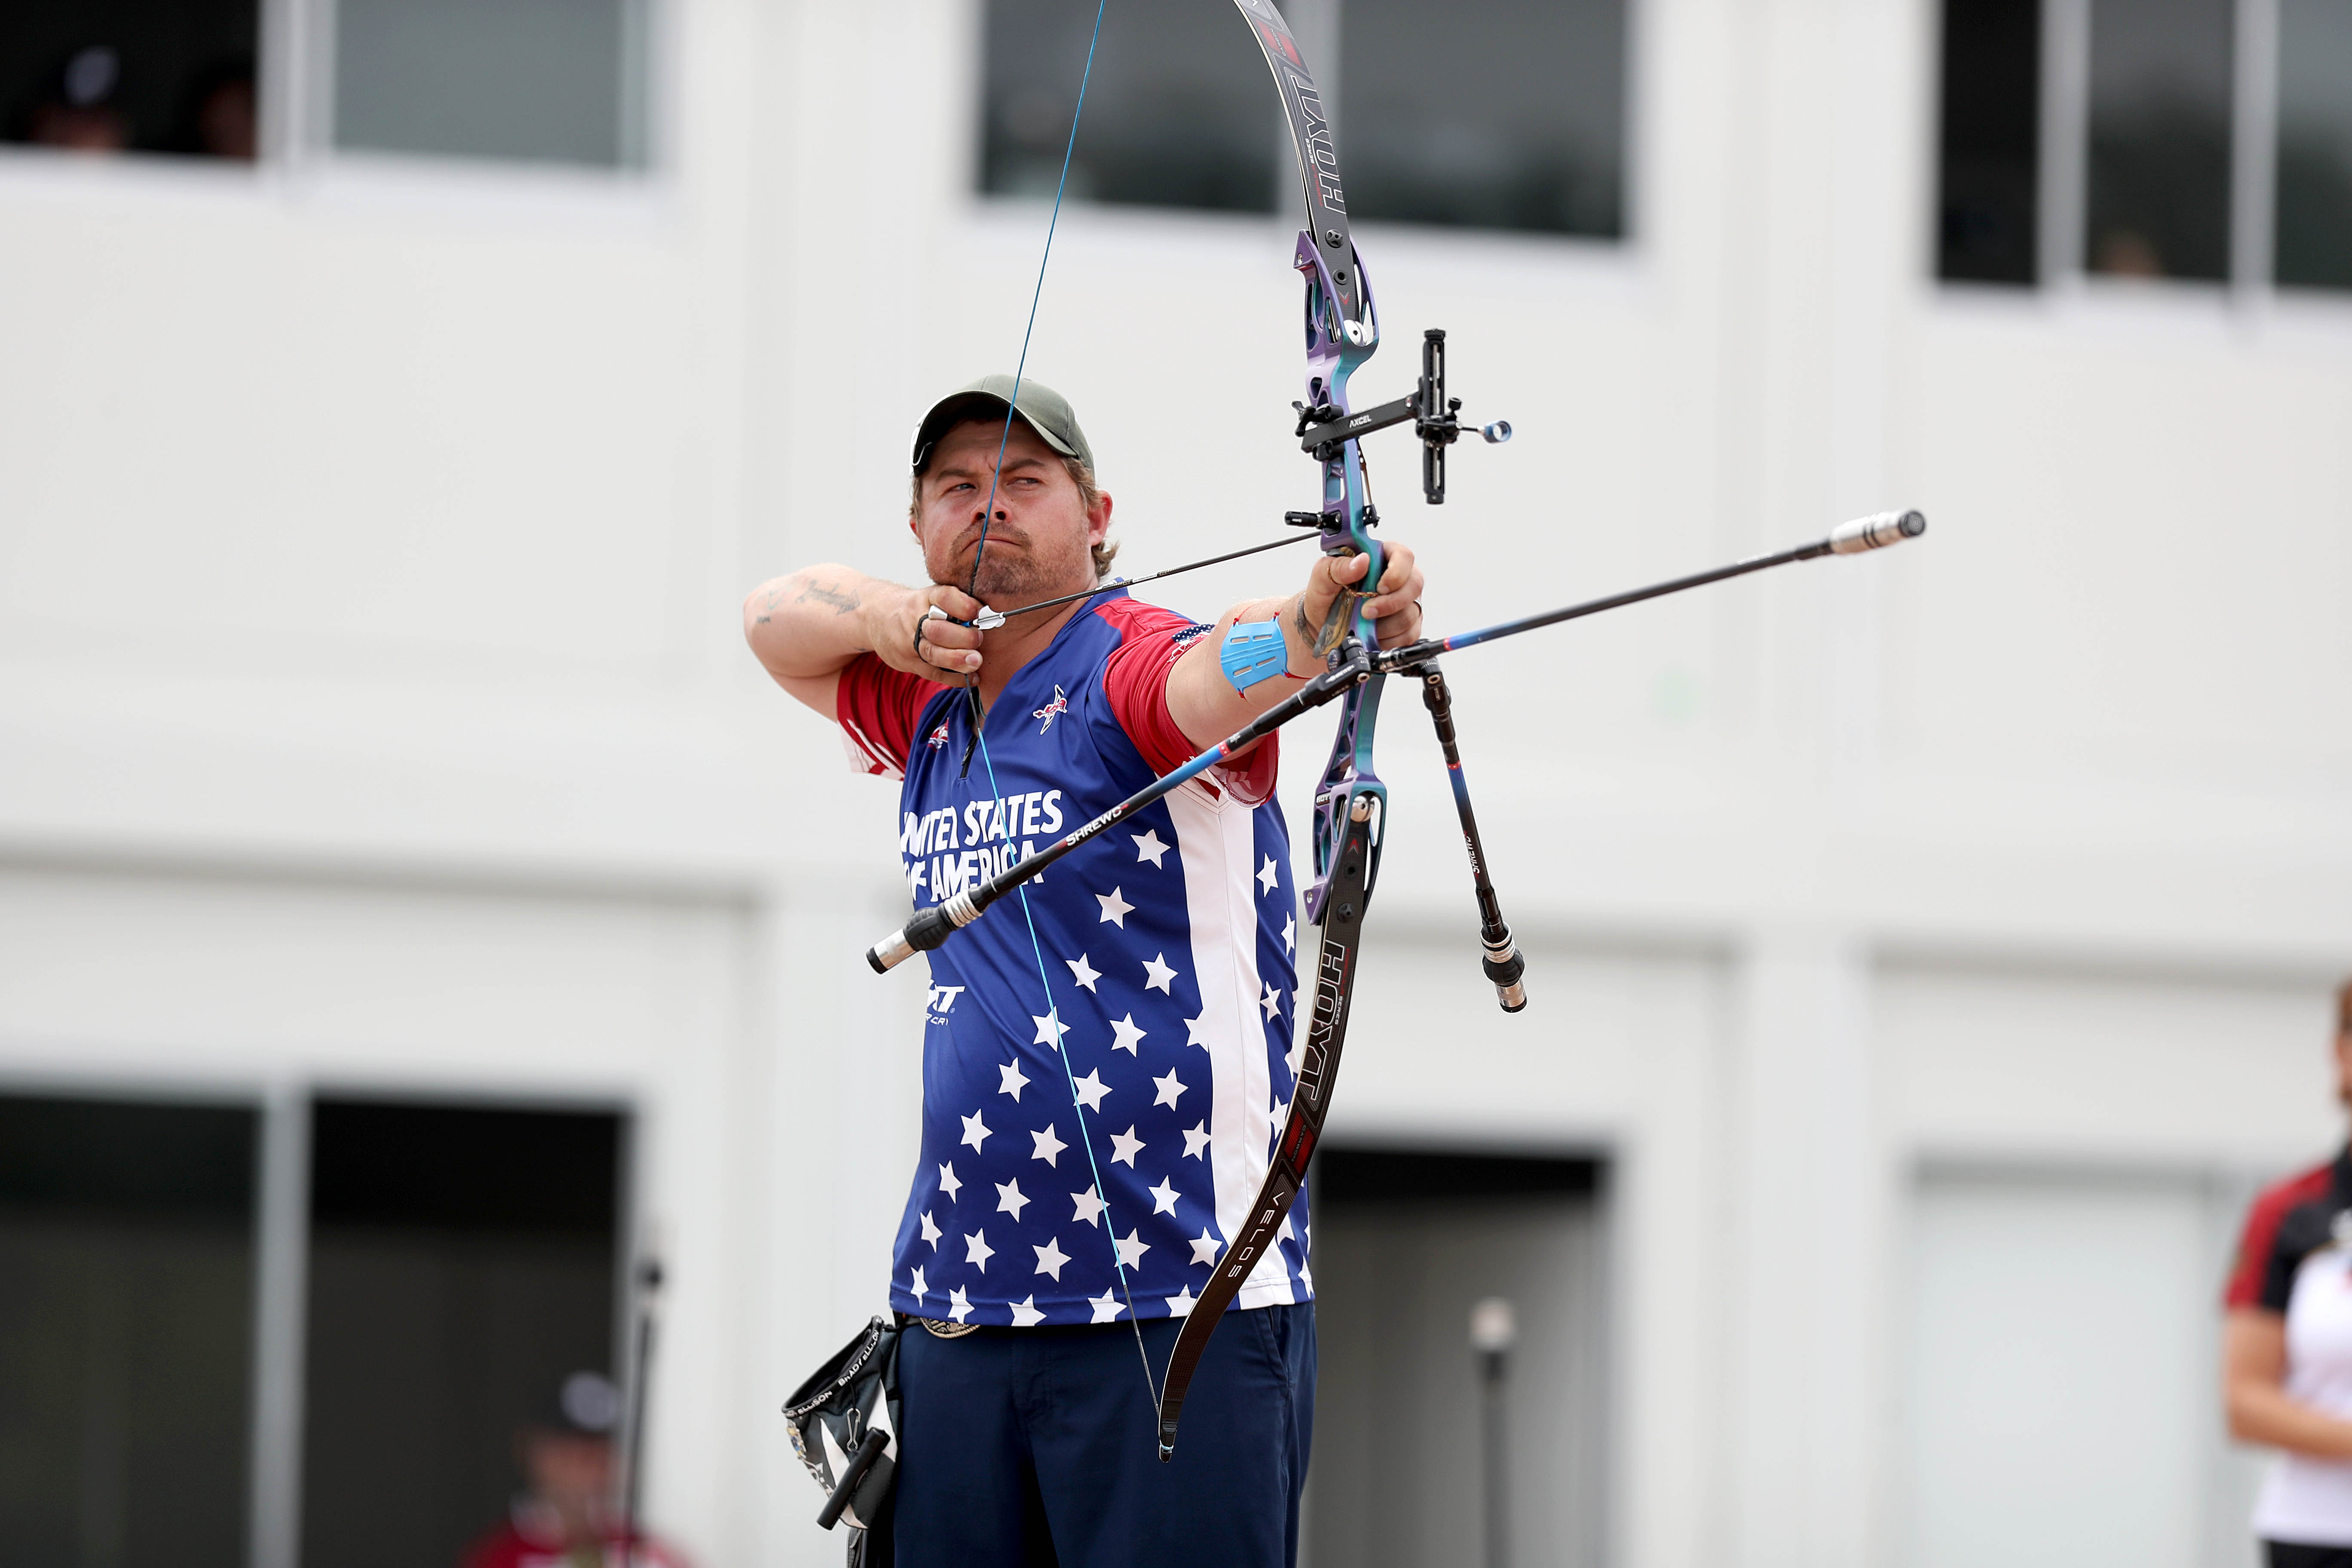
x,y
1100,1098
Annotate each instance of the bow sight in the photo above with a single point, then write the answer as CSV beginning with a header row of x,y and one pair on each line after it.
x,y
1324,428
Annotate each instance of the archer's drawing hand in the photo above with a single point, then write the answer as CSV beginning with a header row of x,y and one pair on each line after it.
x,y
1394,603
915,630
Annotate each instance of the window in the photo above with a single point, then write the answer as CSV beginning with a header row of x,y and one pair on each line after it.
x,y
531,82
118,75
127,1290
1404,1242
2314,144
463,1262
1506,116
2157,196
1991,140
525,81
2206,140
459,1264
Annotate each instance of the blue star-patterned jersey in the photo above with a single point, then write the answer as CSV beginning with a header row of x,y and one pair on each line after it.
x,y
1126,1099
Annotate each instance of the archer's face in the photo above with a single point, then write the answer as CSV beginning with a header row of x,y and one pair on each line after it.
x,y
1041,540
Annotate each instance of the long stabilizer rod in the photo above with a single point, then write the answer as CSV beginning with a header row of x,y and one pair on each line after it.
x,y
1875,532
933,925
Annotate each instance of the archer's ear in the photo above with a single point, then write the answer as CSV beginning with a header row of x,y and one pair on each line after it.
x,y
1098,518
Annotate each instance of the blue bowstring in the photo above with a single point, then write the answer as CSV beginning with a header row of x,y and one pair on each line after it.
x,y
980,721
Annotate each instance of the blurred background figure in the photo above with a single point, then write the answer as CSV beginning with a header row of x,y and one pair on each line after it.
x,y
2287,1361
570,1516
222,116
81,111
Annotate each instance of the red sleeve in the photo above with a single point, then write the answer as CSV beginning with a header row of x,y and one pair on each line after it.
x,y
1135,681
877,707
2250,1275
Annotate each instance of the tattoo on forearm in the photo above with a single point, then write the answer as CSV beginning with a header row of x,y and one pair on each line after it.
x,y
816,593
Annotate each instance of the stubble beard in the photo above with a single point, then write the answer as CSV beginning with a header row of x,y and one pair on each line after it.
x,y
1009,579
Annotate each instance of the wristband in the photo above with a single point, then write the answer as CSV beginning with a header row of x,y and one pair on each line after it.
x,y
1253,652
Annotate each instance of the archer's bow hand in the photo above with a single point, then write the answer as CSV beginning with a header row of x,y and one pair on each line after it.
x,y
1336,583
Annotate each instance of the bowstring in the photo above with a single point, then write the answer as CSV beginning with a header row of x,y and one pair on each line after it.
x,y
979,726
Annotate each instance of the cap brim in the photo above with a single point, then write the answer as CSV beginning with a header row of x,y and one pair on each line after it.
x,y
958,408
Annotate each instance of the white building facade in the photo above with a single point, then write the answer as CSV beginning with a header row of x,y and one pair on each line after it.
x,y
1932,947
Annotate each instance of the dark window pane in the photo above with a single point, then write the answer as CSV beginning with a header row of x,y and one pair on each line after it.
x,y
1991,146
126,1332
2314,151
2159,154
462,1265
533,81
1180,109
1510,114
115,76
1405,1242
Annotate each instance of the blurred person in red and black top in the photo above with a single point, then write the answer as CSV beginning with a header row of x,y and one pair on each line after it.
x,y
2288,1349
569,1517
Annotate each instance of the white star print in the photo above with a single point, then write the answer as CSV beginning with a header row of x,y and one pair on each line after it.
x,y
1289,933
1290,1057
1050,1258
1205,1246
1169,1089
1306,1278
1026,1314
1129,1035
1090,1205
931,1231
1196,1031
917,1287
1050,1030
1163,1197
975,1131
1271,1001
1148,846
1268,876
947,1183
1285,1233
1086,973
1278,1115
1132,1250
1107,1307
977,1250
1197,1140
1047,1145
1011,1081
1160,974
1115,908
1124,1147
1009,1199
957,1307
1179,1305
1090,1089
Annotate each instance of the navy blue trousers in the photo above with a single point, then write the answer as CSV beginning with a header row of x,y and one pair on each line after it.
x,y
1029,1447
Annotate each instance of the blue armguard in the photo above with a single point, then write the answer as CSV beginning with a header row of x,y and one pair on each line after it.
x,y
1253,652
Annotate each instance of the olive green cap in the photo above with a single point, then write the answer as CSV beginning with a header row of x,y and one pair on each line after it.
x,y
1042,408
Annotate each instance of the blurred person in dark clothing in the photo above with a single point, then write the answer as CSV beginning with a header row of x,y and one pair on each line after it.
x,y
571,1517
79,111
2288,1349
222,115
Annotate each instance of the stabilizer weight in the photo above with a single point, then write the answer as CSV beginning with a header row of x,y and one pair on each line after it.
x,y
1876,532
